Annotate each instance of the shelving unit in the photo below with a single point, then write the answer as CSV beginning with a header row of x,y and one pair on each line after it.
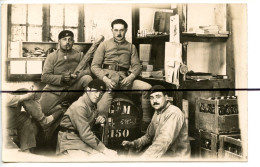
x,y
190,89
23,61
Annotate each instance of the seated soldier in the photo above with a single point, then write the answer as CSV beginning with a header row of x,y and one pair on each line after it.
x,y
167,134
116,62
75,137
63,83
22,121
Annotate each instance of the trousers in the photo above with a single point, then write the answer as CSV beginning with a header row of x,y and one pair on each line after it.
x,y
105,102
50,100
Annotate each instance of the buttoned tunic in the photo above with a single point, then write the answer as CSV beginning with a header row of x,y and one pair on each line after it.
x,y
56,64
123,54
80,118
167,134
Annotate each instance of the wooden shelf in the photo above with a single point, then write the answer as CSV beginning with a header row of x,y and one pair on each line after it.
x,y
27,59
203,37
152,39
24,77
206,84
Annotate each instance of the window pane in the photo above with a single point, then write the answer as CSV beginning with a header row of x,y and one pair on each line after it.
x,y
18,14
56,15
35,14
71,15
17,67
15,50
55,32
18,33
34,34
34,67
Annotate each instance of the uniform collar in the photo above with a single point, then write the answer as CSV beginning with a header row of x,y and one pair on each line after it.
x,y
121,42
63,51
162,110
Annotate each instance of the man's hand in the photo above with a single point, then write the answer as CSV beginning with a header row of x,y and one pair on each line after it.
x,y
100,120
127,80
65,77
111,84
73,76
128,144
110,153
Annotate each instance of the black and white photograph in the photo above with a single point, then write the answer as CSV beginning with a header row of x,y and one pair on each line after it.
x,y
124,82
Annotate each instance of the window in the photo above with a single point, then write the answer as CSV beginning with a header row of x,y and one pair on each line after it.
x,y
36,26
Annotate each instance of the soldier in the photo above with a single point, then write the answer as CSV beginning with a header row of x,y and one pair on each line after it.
x,y
22,122
167,134
116,62
58,74
75,137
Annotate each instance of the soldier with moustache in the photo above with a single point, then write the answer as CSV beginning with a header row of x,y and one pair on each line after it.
x,y
62,84
167,134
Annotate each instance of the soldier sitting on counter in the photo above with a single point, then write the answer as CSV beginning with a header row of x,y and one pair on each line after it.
x,y
75,138
58,73
167,134
116,62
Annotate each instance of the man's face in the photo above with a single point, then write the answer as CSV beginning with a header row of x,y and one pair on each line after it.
x,y
119,32
94,95
158,100
66,43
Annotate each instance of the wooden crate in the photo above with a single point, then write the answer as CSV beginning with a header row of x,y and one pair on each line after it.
x,y
231,147
219,116
208,144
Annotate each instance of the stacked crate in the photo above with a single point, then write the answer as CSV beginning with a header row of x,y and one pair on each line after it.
x,y
230,147
215,117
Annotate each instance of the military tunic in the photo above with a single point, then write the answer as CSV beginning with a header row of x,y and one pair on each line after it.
x,y
167,135
56,64
79,119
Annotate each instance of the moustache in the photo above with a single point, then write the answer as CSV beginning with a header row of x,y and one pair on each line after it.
x,y
155,103
119,36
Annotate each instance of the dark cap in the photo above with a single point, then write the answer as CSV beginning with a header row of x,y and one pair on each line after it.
x,y
157,88
66,33
97,84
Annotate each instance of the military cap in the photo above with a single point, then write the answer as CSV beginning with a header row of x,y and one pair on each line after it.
x,y
158,88
66,33
97,84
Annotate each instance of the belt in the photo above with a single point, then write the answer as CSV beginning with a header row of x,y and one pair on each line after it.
x,y
64,129
114,67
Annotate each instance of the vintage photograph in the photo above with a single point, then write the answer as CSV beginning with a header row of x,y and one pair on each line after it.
x,y
124,82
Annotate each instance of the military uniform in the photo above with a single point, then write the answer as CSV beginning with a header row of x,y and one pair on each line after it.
x,y
76,127
115,60
167,135
22,121
56,64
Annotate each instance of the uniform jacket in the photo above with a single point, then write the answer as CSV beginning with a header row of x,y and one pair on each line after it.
x,y
167,134
56,64
15,117
123,54
80,118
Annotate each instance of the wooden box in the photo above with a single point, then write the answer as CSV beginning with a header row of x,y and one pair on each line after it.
x,y
231,147
208,144
219,116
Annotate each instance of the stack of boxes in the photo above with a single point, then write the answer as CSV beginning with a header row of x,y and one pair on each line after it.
x,y
217,121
